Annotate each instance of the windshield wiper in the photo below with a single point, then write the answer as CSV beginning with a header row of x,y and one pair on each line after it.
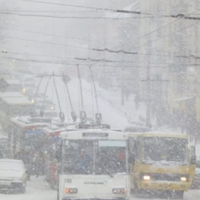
x,y
105,170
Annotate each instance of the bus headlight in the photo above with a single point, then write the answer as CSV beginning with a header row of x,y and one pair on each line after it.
x,y
183,179
71,190
146,177
119,190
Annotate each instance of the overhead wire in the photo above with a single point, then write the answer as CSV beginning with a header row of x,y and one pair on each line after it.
x,y
67,17
88,7
150,42
48,34
50,43
146,35
137,65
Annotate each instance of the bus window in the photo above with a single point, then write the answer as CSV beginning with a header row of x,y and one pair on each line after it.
x,y
165,150
111,157
83,162
94,157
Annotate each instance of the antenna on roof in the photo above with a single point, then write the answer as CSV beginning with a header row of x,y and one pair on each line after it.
x,y
66,79
61,114
42,110
83,115
98,115
37,90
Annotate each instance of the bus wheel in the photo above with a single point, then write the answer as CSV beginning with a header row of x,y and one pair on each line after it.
x,y
178,194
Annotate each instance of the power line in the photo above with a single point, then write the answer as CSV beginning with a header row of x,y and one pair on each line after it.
x,y
50,43
116,51
47,11
136,65
48,34
37,55
102,60
191,25
156,30
68,17
100,18
88,7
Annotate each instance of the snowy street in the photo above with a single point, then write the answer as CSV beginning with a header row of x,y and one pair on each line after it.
x,y
99,100
38,189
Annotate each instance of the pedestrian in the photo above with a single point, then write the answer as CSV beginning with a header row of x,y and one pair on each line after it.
x,y
39,164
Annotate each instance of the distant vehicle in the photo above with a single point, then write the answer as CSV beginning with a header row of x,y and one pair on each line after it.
x,y
25,134
12,175
93,165
14,85
53,139
29,86
161,162
11,106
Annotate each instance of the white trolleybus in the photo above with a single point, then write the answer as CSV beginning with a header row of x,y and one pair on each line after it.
x,y
93,165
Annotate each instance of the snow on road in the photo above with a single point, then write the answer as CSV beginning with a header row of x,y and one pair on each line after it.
x,y
110,114
189,195
37,189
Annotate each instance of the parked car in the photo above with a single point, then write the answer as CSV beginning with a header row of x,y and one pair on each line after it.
x,y
13,175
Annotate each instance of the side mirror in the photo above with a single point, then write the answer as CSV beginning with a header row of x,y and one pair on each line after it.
x,y
193,156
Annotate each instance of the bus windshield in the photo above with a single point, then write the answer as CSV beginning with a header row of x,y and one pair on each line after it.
x,y
101,157
165,150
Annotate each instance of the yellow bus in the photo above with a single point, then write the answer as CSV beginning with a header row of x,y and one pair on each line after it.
x,y
161,162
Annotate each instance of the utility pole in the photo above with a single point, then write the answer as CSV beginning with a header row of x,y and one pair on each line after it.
x,y
148,105
149,94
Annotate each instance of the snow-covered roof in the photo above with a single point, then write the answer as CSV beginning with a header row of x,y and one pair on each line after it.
x,y
165,134
93,134
53,131
26,121
10,94
17,101
11,168
13,82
